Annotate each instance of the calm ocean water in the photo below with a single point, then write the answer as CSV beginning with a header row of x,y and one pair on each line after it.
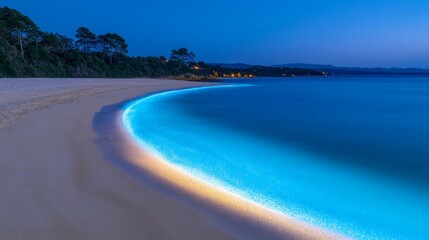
x,y
350,154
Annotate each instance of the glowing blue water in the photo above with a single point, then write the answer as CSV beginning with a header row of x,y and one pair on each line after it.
x,y
348,154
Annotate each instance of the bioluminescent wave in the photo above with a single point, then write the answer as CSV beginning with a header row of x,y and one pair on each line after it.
x,y
347,154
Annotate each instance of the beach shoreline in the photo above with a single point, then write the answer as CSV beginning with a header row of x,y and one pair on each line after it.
x,y
57,184
245,218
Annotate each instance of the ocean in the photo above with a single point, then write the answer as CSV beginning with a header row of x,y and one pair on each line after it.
x,y
349,154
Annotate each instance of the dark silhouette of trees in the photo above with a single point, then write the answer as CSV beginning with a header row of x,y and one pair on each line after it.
x,y
112,44
18,28
25,51
86,39
54,42
49,54
164,59
182,56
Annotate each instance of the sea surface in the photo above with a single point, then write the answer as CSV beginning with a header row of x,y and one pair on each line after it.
x,y
350,154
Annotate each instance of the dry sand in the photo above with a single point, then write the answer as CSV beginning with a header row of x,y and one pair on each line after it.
x,y
56,183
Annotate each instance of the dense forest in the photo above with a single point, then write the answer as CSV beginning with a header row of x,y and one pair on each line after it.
x,y
27,51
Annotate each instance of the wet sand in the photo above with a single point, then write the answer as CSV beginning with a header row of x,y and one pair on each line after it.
x,y
57,183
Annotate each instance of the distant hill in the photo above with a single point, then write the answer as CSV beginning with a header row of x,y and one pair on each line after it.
x,y
333,70
232,65
357,70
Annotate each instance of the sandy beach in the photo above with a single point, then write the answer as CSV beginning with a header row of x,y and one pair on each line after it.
x,y
68,170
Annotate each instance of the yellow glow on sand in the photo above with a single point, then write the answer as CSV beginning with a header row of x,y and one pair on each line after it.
x,y
273,221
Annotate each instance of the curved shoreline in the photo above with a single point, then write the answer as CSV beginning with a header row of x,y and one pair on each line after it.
x,y
255,220
57,184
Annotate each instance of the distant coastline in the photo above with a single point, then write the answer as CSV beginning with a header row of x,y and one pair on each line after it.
x,y
340,71
27,51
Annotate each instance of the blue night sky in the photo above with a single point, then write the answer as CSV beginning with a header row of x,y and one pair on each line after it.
x,y
365,33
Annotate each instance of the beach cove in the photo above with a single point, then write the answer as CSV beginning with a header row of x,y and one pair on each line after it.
x,y
344,153
65,187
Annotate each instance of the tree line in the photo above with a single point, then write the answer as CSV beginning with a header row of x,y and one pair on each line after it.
x,y
27,51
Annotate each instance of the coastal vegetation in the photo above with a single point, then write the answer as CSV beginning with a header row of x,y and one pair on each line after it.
x,y
28,51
